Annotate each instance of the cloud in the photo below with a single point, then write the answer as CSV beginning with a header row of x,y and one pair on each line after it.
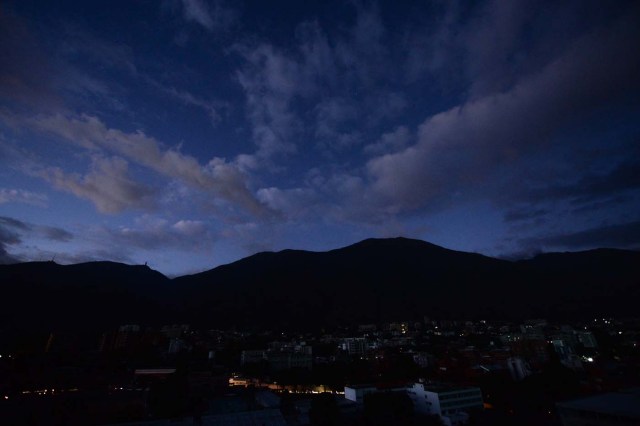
x,y
8,195
217,177
25,69
620,235
212,16
213,108
390,142
48,76
80,42
14,231
433,48
15,224
8,237
469,143
364,53
54,234
153,233
492,43
589,195
295,203
319,89
106,185
331,113
524,214
271,81
622,177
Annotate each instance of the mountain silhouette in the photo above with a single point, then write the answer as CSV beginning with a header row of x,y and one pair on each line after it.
x,y
374,280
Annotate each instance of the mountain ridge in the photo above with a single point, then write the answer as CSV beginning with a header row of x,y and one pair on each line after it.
x,y
372,280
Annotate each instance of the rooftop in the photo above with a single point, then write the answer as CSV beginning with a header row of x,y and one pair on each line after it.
x,y
624,403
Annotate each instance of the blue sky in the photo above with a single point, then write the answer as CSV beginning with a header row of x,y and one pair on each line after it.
x,y
191,133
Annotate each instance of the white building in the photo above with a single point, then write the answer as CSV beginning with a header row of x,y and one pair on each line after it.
x,y
451,404
356,393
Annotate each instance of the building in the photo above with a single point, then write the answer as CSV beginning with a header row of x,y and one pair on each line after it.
x,y
423,359
356,393
518,368
251,357
610,409
450,403
587,339
279,361
355,346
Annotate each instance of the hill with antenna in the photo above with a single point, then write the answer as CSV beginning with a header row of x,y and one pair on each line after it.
x,y
371,281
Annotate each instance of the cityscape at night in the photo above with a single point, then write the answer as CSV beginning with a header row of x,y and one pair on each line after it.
x,y
361,212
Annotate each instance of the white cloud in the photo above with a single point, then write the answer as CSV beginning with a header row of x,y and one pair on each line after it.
x,y
106,185
156,233
217,177
190,227
390,142
295,203
212,16
8,195
318,87
271,81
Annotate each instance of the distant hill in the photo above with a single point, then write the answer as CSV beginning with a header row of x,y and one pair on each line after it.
x,y
42,295
371,281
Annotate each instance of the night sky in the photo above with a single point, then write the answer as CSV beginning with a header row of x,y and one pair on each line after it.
x,y
192,133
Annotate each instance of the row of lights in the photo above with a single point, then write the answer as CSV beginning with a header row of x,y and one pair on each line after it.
x,y
45,391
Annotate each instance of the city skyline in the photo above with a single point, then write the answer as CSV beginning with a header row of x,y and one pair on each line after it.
x,y
189,134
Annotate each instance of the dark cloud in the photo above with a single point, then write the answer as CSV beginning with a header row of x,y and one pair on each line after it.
x,y
55,234
623,177
468,145
14,231
626,235
10,222
25,70
603,204
524,214
9,238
